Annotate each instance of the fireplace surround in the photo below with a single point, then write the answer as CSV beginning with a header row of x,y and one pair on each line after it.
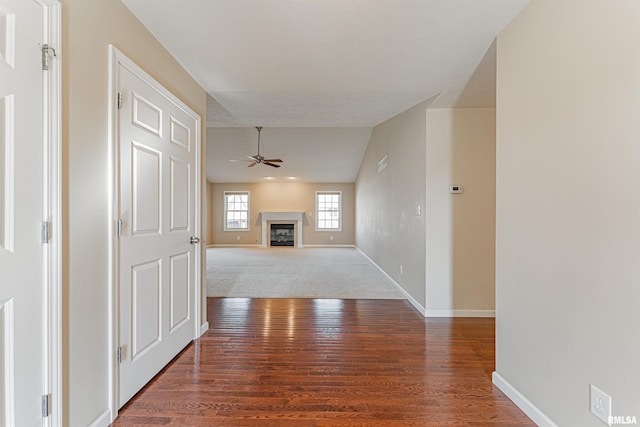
x,y
282,217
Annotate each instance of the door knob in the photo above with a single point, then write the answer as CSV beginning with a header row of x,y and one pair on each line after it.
x,y
194,240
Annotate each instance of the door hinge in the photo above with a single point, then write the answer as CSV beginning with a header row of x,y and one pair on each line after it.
x,y
45,406
45,232
119,355
119,100
119,227
47,52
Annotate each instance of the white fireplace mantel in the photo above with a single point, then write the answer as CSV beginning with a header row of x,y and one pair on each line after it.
x,y
282,216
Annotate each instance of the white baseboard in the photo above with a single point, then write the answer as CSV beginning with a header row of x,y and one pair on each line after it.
x,y
103,420
231,245
328,246
531,410
460,313
203,328
411,299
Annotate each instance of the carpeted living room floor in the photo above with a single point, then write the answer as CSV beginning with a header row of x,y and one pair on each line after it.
x,y
295,273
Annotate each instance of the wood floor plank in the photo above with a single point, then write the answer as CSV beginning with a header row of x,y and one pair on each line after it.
x,y
305,362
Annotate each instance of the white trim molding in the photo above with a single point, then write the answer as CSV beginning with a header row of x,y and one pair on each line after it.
x,y
204,328
531,410
103,420
329,246
460,313
52,170
231,245
411,299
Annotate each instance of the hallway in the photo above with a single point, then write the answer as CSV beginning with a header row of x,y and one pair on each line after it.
x,y
315,362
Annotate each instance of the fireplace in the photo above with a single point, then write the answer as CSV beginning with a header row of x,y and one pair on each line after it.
x,y
282,234
268,218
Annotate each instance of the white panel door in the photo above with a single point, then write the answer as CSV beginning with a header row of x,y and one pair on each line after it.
x,y
21,214
157,151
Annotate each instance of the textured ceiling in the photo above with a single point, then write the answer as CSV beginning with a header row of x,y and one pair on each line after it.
x,y
333,63
308,154
319,74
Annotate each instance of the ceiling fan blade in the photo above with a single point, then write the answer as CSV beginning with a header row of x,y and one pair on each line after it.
x,y
258,159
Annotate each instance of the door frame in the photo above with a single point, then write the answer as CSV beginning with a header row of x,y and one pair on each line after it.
x,y
52,214
117,58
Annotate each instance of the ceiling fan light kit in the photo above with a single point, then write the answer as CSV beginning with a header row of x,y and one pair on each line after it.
x,y
258,159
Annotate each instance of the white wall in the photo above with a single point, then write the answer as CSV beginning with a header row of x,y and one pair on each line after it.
x,y
460,258
568,206
89,26
387,227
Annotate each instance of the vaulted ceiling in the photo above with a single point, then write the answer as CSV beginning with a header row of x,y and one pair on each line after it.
x,y
326,64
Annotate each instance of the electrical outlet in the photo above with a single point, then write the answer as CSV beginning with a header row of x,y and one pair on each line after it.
x,y
237,237
401,269
418,210
331,238
600,404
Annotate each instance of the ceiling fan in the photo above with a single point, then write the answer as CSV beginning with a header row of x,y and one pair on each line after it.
x,y
258,159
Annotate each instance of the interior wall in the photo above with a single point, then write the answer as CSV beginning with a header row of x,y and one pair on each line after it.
x,y
88,27
460,228
568,206
283,197
388,227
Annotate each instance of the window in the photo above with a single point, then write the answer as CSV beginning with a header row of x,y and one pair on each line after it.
x,y
236,211
328,210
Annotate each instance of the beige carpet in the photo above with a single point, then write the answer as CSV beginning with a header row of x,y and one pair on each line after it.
x,y
295,273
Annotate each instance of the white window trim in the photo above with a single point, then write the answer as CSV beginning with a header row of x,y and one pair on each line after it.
x,y
339,210
224,211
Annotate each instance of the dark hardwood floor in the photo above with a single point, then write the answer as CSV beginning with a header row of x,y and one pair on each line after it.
x,y
304,362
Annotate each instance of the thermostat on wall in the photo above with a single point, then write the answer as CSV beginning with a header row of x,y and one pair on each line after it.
x,y
455,189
